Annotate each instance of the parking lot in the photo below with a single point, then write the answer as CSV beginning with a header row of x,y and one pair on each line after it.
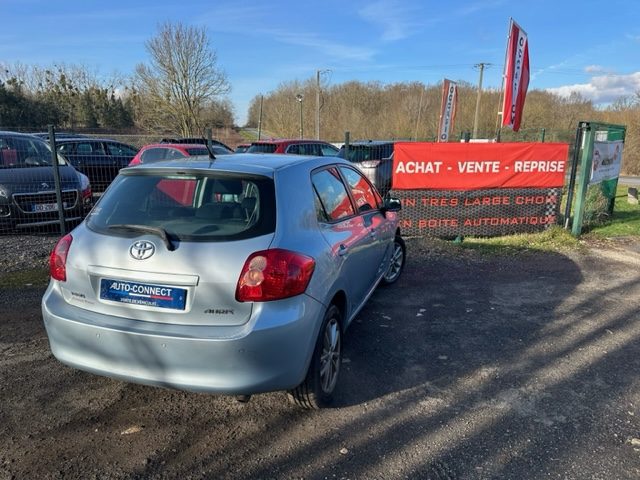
x,y
471,366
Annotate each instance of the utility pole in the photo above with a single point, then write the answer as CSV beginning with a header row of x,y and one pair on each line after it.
x,y
260,119
318,73
479,66
317,104
299,98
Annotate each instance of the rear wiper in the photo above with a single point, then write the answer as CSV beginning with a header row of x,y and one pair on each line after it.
x,y
161,232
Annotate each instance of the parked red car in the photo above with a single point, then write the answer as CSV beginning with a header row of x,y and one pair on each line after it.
x,y
243,147
157,152
297,146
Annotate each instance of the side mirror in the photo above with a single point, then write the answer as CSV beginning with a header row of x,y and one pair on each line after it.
x,y
391,205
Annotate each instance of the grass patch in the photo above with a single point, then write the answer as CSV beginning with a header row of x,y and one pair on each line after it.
x,y
554,239
32,277
625,220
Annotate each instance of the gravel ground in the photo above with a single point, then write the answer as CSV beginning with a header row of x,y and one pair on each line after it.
x,y
22,252
471,367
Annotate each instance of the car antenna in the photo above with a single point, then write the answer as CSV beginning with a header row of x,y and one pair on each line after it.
x,y
206,144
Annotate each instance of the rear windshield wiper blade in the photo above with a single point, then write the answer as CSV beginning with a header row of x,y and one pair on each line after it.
x,y
161,232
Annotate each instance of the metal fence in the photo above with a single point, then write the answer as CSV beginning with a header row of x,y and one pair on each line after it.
x,y
46,194
41,196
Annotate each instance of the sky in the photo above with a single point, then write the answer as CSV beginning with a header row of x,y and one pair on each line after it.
x,y
592,47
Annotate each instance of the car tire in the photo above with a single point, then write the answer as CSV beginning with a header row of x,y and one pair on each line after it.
x,y
316,391
396,263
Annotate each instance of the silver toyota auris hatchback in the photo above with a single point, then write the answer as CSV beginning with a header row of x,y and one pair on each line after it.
x,y
235,275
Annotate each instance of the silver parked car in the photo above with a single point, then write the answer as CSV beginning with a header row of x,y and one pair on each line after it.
x,y
237,275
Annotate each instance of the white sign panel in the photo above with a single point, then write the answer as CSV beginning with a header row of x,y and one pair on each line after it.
x,y
606,161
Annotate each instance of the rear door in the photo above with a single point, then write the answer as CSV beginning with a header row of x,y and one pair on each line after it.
x,y
90,157
345,231
368,204
121,154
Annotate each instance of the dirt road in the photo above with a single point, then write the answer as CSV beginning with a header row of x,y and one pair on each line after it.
x,y
470,367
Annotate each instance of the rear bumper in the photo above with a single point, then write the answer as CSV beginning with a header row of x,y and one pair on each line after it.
x,y
270,352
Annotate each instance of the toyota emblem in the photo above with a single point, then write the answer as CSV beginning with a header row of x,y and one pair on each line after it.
x,y
141,250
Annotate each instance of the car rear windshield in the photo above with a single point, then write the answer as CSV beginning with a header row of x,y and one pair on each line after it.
x,y
187,206
262,148
362,153
17,152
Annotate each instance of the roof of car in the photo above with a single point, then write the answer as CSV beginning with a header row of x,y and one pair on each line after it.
x,y
86,139
374,143
175,145
287,140
19,134
241,162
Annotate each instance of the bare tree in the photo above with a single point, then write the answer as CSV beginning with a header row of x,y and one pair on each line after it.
x,y
181,80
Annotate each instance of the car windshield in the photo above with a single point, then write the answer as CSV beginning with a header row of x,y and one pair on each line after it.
x,y
362,153
22,152
262,148
188,207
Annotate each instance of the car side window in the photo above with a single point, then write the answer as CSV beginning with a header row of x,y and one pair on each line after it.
x,y
332,195
121,150
153,155
173,154
65,148
90,148
363,194
312,149
294,150
329,150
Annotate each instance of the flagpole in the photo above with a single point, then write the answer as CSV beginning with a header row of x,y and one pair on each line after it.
x,y
500,114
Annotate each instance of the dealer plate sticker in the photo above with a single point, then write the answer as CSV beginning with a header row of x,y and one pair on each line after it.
x,y
160,296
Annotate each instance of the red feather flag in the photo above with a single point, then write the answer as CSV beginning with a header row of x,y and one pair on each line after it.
x,y
516,77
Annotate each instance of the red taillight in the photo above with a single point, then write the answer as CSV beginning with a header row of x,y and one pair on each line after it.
x,y
58,259
273,275
87,196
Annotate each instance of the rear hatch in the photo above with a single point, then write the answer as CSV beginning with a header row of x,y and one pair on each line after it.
x,y
166,246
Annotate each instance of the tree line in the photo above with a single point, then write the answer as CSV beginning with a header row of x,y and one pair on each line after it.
x,y
180,90
410,110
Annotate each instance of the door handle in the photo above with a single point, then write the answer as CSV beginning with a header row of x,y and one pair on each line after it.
x,y
342,250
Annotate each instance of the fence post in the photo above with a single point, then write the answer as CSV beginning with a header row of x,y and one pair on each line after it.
x,y
542,134
56,179
572,176
346,144
209,137
585,171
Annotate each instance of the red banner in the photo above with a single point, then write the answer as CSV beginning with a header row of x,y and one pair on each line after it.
x,y
516,77
447,109
473,166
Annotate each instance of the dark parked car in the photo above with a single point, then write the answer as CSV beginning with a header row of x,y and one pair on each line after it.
x,y
59,135
316,148
99,159
375,159
195,141
27,185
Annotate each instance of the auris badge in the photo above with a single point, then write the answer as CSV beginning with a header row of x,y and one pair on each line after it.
x,y
141,250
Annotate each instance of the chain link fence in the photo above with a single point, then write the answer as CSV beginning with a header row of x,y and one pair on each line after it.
x,y
43,194
89,160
